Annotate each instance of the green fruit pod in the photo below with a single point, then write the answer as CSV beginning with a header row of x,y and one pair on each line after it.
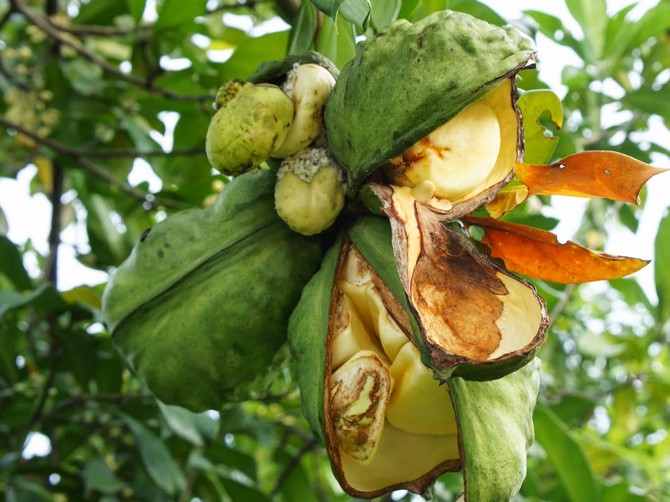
x,y
368,395
200,308
409,80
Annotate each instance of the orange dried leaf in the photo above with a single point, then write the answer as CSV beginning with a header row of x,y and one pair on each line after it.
x,y
538,254
606,174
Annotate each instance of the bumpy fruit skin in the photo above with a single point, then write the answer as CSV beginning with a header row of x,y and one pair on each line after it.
x,y
248,128
442,64
309,194
200,307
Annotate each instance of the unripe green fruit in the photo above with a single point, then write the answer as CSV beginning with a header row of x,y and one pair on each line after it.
x,y
248,128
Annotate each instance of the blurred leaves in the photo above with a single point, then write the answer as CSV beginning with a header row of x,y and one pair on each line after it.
x,y
106,82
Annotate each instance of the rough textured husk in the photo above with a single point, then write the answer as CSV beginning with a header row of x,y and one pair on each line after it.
x,y
409,79
200,308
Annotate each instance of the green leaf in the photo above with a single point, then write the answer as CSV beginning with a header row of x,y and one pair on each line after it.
x,y
136,8
650,101
384,12
633,294
554,28
566,455
11,265
196,428
254,51
157,459
337,43
4,224
662,268
176,13
599,345
239,491
478,10
541,110
99,477
592,17
304,29
355,11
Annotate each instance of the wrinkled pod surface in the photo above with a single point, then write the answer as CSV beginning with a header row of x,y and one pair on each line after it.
x,y
200,308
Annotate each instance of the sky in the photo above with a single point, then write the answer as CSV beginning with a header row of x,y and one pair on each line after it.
x,y
28,216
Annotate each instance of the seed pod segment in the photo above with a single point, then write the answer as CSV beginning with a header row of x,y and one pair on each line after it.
x,y
444,63
184,307
368,396
474,318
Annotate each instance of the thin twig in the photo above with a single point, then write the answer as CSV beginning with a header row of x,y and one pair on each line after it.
x,y
98,153
96,170
293,463
562,302
75,44
102,31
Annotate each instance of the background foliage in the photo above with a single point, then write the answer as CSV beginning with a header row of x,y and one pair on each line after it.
x,y
89,87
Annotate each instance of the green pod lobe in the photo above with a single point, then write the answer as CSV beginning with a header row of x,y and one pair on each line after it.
x,y
200,308
468,423
411,78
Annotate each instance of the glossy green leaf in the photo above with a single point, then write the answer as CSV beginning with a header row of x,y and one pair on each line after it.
x,y
175,13
250,53
196,428
384,12
99,477
478,10
554,28
650,101
592,17
662,268
11,265
157,459
542,111
303,30
354,11
136,8
337,41
240,491
566,455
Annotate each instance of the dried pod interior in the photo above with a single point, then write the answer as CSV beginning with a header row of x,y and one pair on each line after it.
x,y
383,404
471,312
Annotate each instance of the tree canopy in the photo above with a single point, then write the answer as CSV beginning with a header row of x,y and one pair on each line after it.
x,y
95,89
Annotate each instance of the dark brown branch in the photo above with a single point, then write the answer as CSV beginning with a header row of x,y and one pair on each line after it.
x,y
140,31
292,464
57,184
75,44
91,152
288,8
94,169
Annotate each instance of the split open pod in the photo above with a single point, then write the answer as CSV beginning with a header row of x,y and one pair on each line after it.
x,y
371,390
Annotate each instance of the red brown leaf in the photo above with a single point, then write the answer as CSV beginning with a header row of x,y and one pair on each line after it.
x,y
537,253
611,175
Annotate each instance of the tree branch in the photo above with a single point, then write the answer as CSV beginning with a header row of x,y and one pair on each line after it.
x,y
292,464
69,41
81,157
